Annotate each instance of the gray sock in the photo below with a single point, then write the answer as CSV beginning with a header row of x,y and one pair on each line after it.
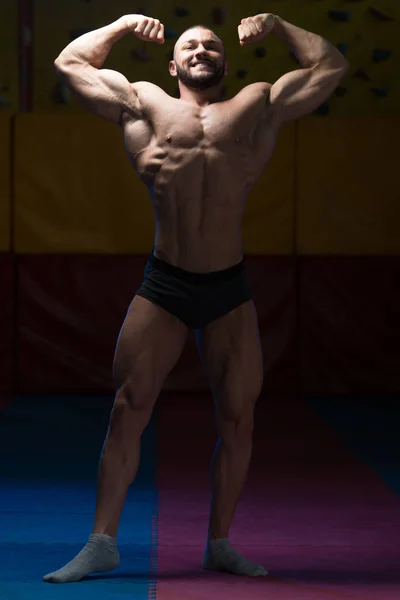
x,y
99,555
220,556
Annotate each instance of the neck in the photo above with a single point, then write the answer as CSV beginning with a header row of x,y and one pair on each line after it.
x,y
200,97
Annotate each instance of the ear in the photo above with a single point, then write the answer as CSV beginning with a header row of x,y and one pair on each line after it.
x,y
172,68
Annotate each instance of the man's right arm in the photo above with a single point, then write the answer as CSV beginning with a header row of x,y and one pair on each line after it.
x,y
104,92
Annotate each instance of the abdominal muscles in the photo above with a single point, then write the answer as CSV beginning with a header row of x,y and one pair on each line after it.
x,y
198,196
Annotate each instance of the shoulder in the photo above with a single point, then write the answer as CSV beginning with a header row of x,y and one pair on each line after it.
x,y
258,90
255,95
147,91
147,97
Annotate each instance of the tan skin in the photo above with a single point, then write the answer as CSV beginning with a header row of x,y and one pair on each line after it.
x,y
199,157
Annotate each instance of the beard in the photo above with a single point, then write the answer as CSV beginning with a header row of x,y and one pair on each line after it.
x,y
201,81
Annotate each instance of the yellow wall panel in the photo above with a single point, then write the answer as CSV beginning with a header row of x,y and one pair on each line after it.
x,y
348,191
268,219
76,190
5,132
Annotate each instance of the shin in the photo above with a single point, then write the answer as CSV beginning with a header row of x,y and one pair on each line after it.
x,y
120,458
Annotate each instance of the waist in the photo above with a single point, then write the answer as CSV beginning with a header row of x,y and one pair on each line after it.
x,y
195,277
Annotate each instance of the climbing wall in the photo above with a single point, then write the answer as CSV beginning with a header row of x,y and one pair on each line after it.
x,y
320,229
366,31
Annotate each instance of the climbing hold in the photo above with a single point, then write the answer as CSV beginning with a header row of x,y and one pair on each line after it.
x,y
379,92
219,16
380,14
5,101
340,15
380,54
343,48
323,110
341,91
361,74
182,12
142,53
75,33
260,52
170,34
241,73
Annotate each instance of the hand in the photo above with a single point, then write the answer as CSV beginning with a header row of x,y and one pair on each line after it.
x,y
255,28
146,28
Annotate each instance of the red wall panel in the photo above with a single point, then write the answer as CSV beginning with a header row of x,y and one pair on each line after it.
x,y
71,309
336,331
6,322
349,320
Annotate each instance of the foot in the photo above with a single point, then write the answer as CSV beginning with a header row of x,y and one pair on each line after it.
x,y
220,556
99,555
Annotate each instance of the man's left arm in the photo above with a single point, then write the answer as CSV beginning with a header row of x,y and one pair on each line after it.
x,y
302,91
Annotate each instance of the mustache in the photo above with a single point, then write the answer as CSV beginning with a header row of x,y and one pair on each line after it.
x,y
200,62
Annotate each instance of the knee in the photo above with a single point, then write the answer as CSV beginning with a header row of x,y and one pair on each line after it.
x,y
236,422
132,409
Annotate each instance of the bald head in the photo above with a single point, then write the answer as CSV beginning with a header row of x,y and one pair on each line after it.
x,y
195,33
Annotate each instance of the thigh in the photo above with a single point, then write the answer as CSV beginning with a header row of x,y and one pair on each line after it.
x,y
231,352
149,345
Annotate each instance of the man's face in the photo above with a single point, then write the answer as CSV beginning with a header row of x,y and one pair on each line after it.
x,y
199,59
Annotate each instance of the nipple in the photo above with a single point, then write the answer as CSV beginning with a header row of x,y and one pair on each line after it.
x,y
238,139
169,138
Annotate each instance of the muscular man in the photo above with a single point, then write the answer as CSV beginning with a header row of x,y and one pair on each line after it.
x,y
199,157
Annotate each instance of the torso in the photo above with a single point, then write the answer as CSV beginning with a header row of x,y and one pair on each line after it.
x,y
199,165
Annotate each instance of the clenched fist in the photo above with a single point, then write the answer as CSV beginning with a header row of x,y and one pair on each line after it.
x,y
146,28
255,28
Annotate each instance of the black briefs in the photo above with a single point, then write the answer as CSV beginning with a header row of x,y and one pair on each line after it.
x,y
196,299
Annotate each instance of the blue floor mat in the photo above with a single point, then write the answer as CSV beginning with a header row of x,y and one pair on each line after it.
x,y
50,449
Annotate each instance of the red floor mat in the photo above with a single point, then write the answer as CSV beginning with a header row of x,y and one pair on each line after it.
x,y
322,523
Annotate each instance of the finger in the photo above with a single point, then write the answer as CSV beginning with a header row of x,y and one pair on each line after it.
x,y
252,26
141,26
246,30
241,35
160,34
148,28
154,30
259,24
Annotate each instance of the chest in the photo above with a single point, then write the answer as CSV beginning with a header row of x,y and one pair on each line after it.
x,y
202,130
220,134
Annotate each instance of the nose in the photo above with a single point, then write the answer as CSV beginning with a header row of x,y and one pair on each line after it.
x,y
200,51
201,56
